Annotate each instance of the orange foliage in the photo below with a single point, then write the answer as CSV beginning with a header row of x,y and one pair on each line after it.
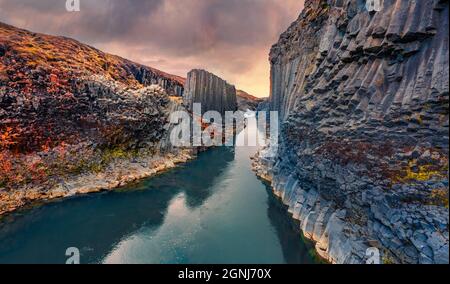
x,y
46,146
6,168
5,163
7,138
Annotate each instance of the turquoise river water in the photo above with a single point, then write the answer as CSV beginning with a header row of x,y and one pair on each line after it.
x,y
210,210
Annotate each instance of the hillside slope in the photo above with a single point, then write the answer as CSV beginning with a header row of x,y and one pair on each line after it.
x,y
68,110
42,85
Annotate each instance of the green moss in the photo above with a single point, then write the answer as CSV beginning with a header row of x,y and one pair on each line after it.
x,y
326,6
111,154
99,161
97,168
388,258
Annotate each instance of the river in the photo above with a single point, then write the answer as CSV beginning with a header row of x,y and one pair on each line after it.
x,y
211,210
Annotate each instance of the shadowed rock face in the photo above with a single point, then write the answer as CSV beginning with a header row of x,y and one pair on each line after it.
x,y
212,92
364,146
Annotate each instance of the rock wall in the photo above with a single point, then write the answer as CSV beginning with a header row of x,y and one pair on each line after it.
x,y
212,92
147,76
363,154
47,95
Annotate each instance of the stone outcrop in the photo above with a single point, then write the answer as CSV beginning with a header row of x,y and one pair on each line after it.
x,y
46,91
147,76
363,154
214,93
245,101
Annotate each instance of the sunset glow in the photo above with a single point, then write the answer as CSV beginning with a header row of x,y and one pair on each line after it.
x,y
230,38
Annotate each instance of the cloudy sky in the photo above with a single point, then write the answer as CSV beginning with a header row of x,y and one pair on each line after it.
x,y
231,38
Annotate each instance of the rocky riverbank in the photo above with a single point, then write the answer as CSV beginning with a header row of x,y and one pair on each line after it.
x,y
119,173
343,233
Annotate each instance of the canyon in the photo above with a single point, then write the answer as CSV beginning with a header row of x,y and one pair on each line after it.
x,y
75,120
363,155
361,164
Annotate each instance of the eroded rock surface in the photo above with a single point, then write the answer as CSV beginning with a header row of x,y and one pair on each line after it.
x,y
363,157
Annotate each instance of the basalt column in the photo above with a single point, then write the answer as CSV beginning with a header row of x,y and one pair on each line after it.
x,y
362,161
212,92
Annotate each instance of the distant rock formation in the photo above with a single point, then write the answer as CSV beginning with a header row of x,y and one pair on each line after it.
x,y
245,101
363,157
214,93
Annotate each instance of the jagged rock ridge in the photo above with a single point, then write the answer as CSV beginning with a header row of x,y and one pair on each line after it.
x,y
245,101
363,157
214,93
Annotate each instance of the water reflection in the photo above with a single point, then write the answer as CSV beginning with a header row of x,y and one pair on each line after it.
x,y
96,223
212,210
289,234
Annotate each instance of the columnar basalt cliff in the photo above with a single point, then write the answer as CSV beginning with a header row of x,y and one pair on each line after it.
x,y
74,119
214,93
363,157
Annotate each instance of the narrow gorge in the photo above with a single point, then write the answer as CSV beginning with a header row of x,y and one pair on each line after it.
x,y
358,173
363,157
75,120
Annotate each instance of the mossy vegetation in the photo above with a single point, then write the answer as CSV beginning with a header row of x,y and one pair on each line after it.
x,y
415,172
388,260
18,170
